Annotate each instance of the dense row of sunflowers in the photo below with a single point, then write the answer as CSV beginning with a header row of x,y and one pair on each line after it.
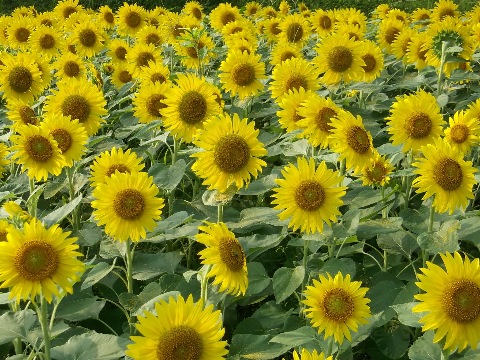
x,y
192,80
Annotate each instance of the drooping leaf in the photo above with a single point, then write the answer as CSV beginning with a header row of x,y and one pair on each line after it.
x,y
286,281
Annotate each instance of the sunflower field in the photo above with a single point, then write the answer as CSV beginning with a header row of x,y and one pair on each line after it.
x,y
251,182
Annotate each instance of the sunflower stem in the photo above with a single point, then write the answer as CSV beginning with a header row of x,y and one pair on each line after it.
x,y
331,341
331,248
129,263
343,164
171,194
203,289
430,219
220,213
408,180
440,70
304,263
45,326
384,216
445,354
17,342
75,217
32,190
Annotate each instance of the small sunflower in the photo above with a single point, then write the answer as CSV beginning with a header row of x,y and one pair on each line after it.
x,y
252,8
195,52
109,162
130,19
193,8
222,15
155,72
295,30
121,75
38,152
284,51
150,34
388,31
4,162
231,152
21,78
118,49
69,66
416,53
290,106
148,101
353,32
463,132
19,31
21,113
293,74
242,42
323,22
5,227
106,16
179,329
337,305
306,355
37,261
189,105
451,300
70,136
15,211
443,173
444,8
65,8
308,195
339,58
271,28
44,67
351,141
377,171
46,18
241,72
372,56
401,43
226,256
316,116
415,120
79,99
140,55
45,41
421,16
242,27
88,38
127,205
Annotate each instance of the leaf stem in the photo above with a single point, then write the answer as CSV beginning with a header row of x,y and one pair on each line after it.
x,y
42,316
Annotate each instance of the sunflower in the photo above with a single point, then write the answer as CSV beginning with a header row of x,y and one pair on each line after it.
x,y
306,355
65,8
127,205
238,27
226,256
118,49
308,195
381,11
130,19
45,41
154,16
180,329
339,58
353,32
398,15
231,152
241,72
174,25
189,105
316,115
271,28
323,22
295,30
337,305
88,38
416,53
148,101
293,74
3,158
36,261
284,51
15,211
5,227
4,20
21,113
140,55
444,8
106,16
19,31
443,173
44,68
415,120
38,152
351,141
452,300
463,131
193,8
109,162
121,75
252,8
269,12
150,34
290,105
401,43
69,66
421,16
243,42
372,56
222,15
155,72
195,52
388,31
80,100
21,77
377,171
70,136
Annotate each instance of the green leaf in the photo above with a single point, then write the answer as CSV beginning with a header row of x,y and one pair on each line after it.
x,y
97,273
259,186
470,230
91,346
79,306
296,337
392,342
405,314
147,266
370,228
334,265
216,198
425,349
168,177
252,218
150,304
442,241
90,234
16,325
59,214
258,347
258,279
383,294
442,100
286,281
400,242
34,197
53,187
257,244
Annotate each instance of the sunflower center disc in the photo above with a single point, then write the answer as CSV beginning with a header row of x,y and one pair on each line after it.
x,y
39,148
323,119
87,37
133,19
71,69
120,53
63,139
231,253
357,139
294,33
22,34
153,39
69,10
144,57
36,260
338,305
448,174
236,30
418,125
108,17
3,235
391,34
47,41
120,167
325,22
20,79
296,82
340,59
158,77
274,29
154,104
376,173
370,63
197,13
287,55
27,115
180,343
76,107
446,12
46,22
129,204
192,107
309,195
243,74
227,17
459,133
192,52
462,300
231,153
125,76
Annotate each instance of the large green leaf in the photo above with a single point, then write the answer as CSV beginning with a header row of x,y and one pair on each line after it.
x,y
286,281
258,347
424,348
334,266
147,266
400,242
168,177
62,212
16,325
392,342
80,306
258,279
97,273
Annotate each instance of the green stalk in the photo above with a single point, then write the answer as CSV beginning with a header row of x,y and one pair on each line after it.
x,y
45,326
440,70
129,264
304,263
220,213
171,195
408,179
17,342
203,289
384,216
343,165
71,188
32,189
331,248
